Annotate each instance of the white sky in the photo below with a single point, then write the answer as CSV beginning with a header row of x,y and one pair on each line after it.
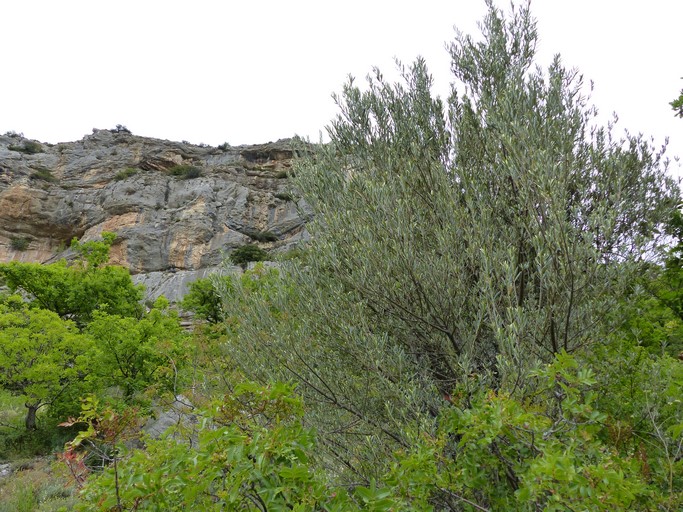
x,y
247,72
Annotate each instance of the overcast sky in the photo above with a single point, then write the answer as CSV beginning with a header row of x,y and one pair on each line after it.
x,y
246,72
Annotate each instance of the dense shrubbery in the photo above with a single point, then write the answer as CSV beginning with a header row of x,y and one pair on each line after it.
x,y
80,328
247,253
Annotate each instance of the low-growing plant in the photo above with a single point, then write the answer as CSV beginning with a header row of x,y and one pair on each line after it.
x,y
29,147
126,173
19,243
250,252
186,172
36,486
43,174
282,174
223,147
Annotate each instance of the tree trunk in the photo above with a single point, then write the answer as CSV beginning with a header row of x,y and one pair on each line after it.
x,y
31,417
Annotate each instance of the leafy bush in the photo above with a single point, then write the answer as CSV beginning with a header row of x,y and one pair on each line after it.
x,y
203,299
186,172
29,147
76,291
223,147
489,451
19,243
126,173
252,449
250,252
139,354
282,174
43,174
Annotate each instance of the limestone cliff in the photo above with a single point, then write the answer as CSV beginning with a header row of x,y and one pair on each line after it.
x,y
178,208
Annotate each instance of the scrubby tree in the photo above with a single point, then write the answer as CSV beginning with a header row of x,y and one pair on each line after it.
x,y
75,290
246,254
203,300
41,355
454,242
138,354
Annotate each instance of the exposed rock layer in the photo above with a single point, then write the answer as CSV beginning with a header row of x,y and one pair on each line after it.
x,y
170,229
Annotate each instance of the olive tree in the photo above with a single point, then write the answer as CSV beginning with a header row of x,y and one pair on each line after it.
x,y
459,241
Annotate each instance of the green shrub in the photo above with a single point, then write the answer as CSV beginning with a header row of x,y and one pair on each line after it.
x,y
223,147
126,173
29,147
250,252
281,175
186,172
19,243
43,174
203,300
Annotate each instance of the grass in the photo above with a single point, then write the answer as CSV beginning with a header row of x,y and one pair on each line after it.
x,y
36,485
126,173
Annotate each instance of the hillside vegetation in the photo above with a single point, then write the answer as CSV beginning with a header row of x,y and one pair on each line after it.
x,y
488,316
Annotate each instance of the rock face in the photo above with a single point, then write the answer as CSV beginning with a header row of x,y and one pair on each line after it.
x,y
178,208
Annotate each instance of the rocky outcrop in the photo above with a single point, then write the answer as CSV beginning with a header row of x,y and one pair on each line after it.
x,y
178,208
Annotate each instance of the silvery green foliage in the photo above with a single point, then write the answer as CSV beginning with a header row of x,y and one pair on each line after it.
x,y
499,225
458,242
359,387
